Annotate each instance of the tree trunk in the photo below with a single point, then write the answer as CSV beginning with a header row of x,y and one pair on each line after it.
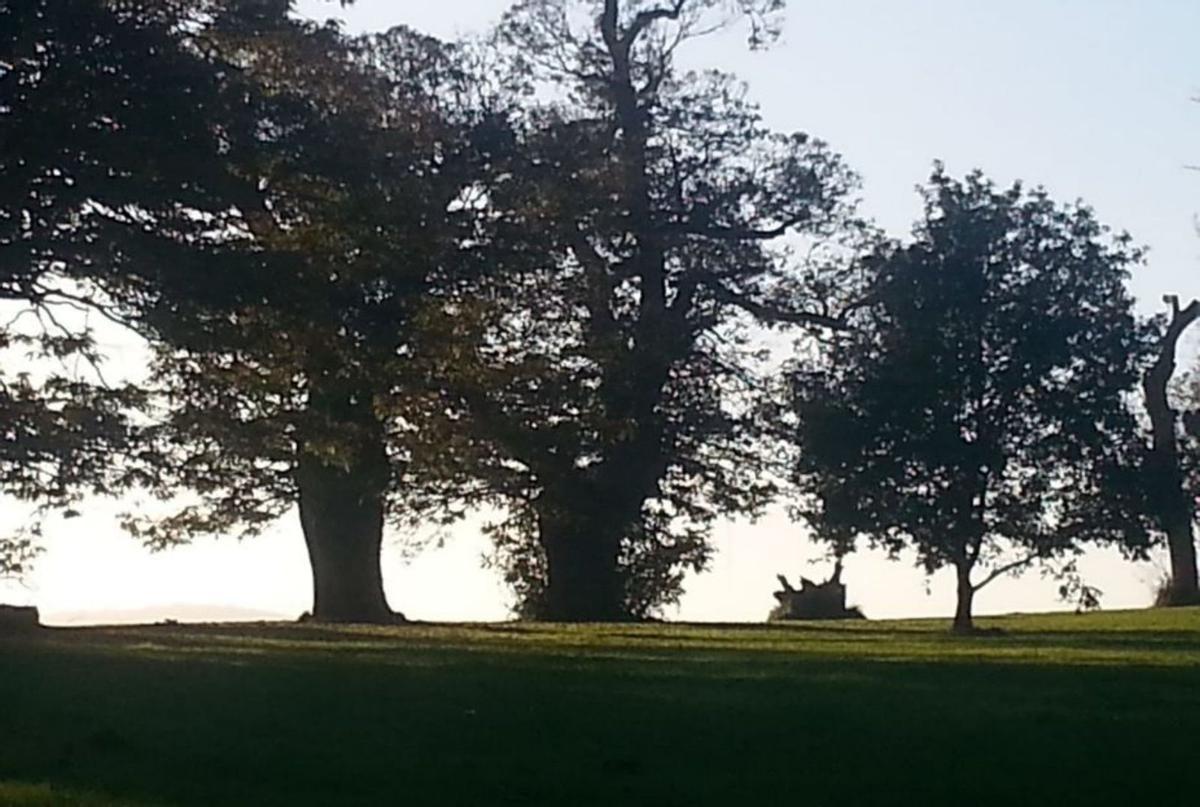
x,y
1173,508
1184,587
963,619
343,475
341,511
583,581
583,516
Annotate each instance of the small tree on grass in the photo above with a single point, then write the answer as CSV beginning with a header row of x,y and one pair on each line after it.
x,y
978,415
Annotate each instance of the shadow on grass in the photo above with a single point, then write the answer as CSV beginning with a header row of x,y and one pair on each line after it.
x,y
552,715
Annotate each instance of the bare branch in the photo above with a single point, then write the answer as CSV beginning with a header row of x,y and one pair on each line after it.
x,y
644,19
724,232
1000,571
772,314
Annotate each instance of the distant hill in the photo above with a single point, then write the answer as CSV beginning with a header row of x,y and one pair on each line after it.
x,y
181,612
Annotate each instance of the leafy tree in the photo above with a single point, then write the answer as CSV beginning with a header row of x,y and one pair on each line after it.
x,y
275,251
302,384
643,225
978,414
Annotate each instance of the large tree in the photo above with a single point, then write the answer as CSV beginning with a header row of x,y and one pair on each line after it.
x,y
275,250
978,413
302,384
612,371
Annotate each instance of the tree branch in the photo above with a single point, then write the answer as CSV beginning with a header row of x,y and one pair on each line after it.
x,y
1005,569
724,232
644,19
771,314
731,233
599,283
1164,366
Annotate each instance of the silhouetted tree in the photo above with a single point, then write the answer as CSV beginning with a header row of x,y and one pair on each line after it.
x,y
612,373
269,203
1170,502
978,416
302,384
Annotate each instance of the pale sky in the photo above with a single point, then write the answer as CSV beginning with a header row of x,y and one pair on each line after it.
x,y
1090,98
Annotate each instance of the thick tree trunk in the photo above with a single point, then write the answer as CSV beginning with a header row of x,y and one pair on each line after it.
x,y
963,620
341,511
343,475
583,581
1174,509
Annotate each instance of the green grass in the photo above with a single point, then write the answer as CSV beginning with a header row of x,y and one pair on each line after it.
x,y
1063,709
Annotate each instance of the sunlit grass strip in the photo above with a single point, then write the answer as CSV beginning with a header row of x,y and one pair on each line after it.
x,y
22,794
1167,638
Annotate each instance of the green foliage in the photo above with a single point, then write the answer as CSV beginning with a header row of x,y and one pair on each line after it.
x,y
344,234
56,447
980,410
280,241
615,374
528,273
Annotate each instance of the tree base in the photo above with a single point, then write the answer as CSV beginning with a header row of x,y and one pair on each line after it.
x,y
533,614
1177,599
577,605
390,618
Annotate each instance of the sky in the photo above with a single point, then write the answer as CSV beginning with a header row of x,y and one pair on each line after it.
x,y
1090,98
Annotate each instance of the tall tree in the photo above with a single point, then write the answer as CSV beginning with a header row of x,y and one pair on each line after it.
x,y
275,251
1170,503
978,415
613,373
301,384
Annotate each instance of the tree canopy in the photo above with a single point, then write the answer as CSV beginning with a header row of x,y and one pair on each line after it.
x,y
979,412
384,279
87,90
275,252
611,371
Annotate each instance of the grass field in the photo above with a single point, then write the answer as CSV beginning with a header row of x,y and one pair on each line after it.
x,y
1061,710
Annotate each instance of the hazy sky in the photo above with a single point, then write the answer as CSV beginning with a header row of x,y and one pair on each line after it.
x,y
1090,98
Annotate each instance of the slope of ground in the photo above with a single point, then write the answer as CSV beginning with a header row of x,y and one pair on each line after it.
x,y
1061,709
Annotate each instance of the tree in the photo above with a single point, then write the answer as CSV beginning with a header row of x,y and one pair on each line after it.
x,y
611,371
274,251
1170,503
978,414
301,384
